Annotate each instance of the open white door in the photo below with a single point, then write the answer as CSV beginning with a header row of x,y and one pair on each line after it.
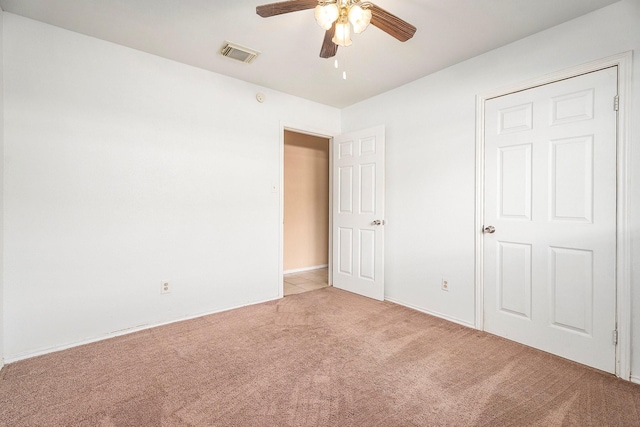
x,y
358,212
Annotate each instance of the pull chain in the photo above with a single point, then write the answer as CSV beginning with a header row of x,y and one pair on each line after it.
x,y
344,64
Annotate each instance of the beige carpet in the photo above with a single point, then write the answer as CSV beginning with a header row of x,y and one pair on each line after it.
x,y
322,358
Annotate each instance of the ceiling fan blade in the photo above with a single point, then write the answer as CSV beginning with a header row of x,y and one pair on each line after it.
x,y
329,48
391,24
272,9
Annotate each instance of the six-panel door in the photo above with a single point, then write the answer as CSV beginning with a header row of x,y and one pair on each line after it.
x,y
358,212
550,193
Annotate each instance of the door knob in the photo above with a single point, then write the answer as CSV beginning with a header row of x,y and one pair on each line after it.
x,y
377,222
489,229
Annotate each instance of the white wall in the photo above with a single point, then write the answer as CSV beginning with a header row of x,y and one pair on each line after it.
x,y
430,127
123,169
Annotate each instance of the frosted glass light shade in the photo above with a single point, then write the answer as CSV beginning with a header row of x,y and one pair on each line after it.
x,y
342,37
359,18
326,15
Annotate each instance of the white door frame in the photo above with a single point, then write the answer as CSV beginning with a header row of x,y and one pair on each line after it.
x,y
623,238
308,130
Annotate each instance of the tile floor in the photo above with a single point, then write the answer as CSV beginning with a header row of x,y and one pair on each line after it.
x,y
305,281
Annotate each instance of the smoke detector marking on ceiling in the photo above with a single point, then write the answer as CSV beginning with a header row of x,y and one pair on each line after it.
x,y
239,53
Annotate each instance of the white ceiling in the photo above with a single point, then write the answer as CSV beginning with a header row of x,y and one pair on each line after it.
x,y
193,31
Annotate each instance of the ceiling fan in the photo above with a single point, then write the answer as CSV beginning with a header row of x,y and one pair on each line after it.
x,y
335,16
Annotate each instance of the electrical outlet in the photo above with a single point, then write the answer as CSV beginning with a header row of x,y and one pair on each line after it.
x,y
164,287
445,284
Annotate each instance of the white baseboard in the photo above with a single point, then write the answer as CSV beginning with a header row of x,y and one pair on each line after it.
x,y
114,334
300,270
432,313
635,379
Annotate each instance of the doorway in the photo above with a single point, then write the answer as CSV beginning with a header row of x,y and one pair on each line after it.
x,y
306,160
355,230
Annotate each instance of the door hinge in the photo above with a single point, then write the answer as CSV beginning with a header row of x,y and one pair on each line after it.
x,y
616,103
615,336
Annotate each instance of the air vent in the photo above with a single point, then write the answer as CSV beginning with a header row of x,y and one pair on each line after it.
x,y
239,53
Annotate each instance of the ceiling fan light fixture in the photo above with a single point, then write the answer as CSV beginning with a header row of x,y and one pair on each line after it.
x,y
342,36
360,18
340,17
326,15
